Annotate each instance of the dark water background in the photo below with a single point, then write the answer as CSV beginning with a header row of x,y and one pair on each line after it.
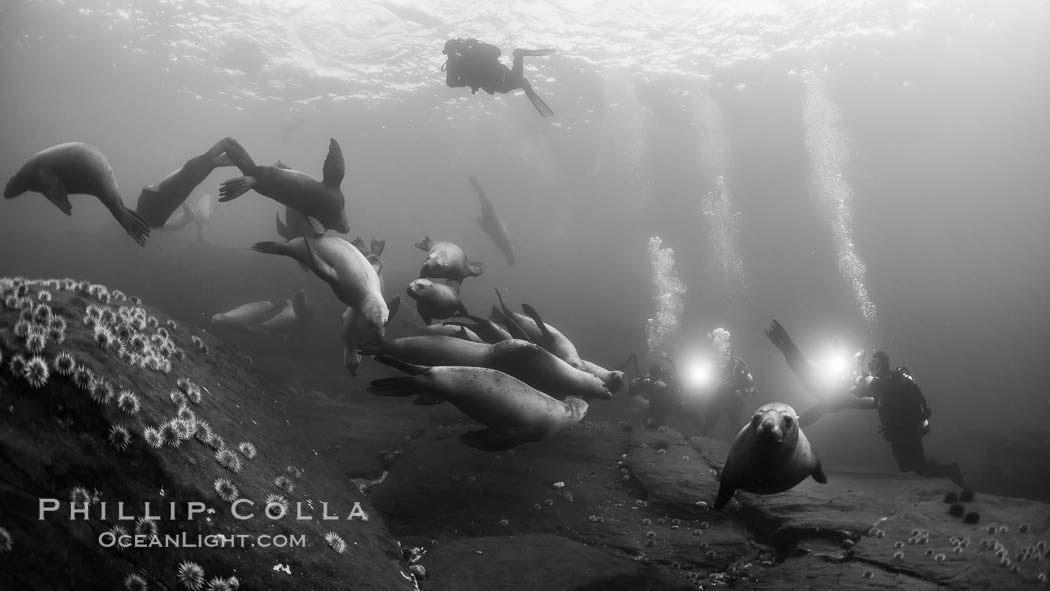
x,y
948,129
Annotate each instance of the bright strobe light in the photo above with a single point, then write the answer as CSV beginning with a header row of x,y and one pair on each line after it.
x,y
697,375
836,368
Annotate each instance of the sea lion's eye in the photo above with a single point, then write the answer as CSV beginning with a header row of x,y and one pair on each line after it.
x,y
788,421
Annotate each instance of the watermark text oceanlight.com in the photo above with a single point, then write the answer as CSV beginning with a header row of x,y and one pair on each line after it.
x,y
110,539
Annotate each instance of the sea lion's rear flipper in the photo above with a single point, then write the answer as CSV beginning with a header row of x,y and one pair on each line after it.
x,y
377,247
492,439
132,223
393,306
425,244
54,190
409,368
508,322
271,247
725,492
321,268
316,227
403,386
234,188
535,99
532,313
334,167
476,269
818,474
360,245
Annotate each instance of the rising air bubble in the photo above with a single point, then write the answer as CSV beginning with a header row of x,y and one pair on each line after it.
x,y
828,156
668,290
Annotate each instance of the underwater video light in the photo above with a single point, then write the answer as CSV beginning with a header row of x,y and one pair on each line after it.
x,y
697,374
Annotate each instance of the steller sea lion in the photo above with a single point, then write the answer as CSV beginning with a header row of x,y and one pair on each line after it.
x,y
770,455
513,412
446,260
158,202
76,168
491,223
322,202
526,361
435,299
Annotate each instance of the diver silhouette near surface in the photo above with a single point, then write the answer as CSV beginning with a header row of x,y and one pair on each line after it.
x,y
476,64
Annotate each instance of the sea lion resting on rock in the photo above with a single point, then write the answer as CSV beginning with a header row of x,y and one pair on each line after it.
x,y
770,455
513,412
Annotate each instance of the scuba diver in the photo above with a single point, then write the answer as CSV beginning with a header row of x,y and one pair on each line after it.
x,y
728,399
476,64
904,415
660,392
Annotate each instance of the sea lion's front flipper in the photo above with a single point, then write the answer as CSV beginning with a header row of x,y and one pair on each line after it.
x,y
223,160
240,157
818,474
234,188
393,306
54,190
492,439
316,226
725,492
377,247
360,244
532,313
334,168
321,268
476,269
425,244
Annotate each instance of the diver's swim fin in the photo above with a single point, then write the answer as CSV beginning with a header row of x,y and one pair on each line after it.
x,y
535,99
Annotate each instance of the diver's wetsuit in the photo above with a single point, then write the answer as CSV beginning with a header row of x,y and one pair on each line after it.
x,y
728,399
903,412
662,393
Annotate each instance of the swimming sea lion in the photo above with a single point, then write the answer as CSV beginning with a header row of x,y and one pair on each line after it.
x,y
200,214
518,325
322,202
514,412
525,361
770,454
809,374
491,223
449,330
76,168
250,316
158,202
295,313
614,380
446,260
355,329
435,299
553,340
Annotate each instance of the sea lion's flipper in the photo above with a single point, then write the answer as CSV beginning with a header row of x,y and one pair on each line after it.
x,y
535,99
316,226
508,322
234,188
532,313
802,367
461,334
334,168
377,247
321,268
476,269
133,224
223,160
281,165
461,310
818,474
393,306
425,244
271,247
725,492
54,190
240,157
426,399
492,439
282,228
503,305
403,386
409,368
360,244
301,304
